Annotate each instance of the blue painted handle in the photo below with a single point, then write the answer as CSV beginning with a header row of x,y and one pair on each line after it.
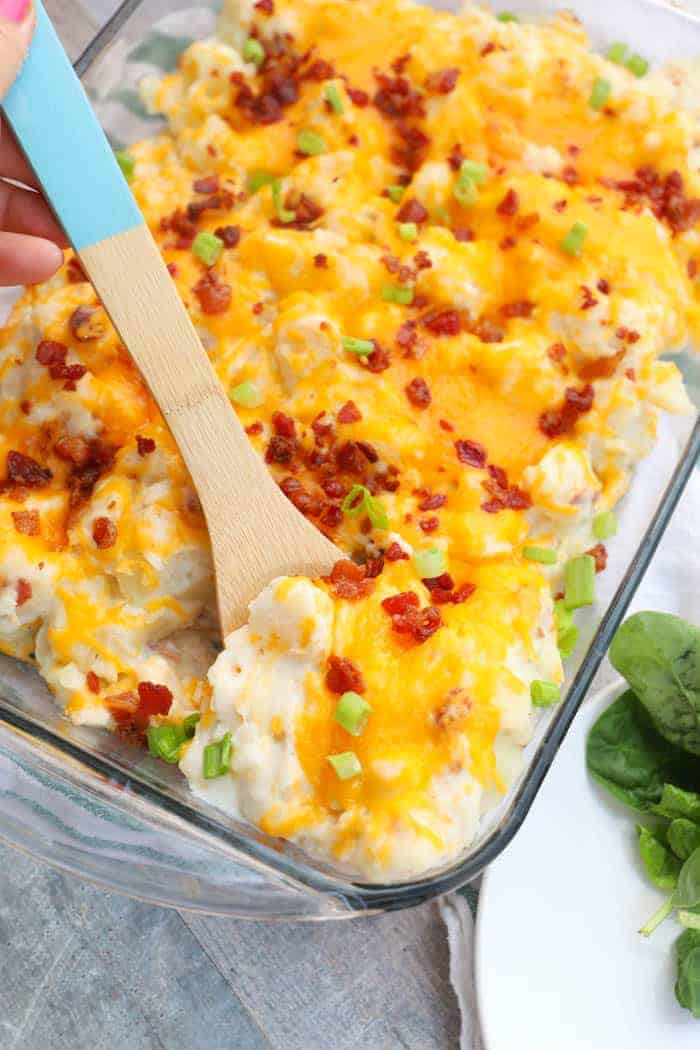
x,y
63,141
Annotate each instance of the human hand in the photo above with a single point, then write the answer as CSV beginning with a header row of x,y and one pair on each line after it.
x,y
29,234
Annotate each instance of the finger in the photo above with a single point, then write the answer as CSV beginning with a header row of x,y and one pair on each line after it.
x,y
16,28
23,211
27,260
12,162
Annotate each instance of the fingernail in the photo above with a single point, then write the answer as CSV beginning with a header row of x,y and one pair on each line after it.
x,y
14,10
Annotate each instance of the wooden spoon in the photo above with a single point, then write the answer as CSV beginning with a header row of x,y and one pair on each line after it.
x,y
256,534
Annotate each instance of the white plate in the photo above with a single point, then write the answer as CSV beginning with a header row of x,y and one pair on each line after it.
x,y
559,962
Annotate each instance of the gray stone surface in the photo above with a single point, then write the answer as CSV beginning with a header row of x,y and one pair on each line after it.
x,y
81,969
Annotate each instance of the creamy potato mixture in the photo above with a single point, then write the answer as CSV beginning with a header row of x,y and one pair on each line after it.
x,y
434,259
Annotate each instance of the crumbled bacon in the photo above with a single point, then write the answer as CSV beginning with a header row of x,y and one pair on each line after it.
x,y
284,425
463,234
92,682
504,496
321,261
600,367
349,581
230,235
665,195
471,452
487,331
305,501
379,360
214,296
395,552
507,243
85,475
357,97
75,272
442,81
26,522
627,335
600,556
135,709
443,591
410,152
265,7
222,201
87,323
431,500
179,223
442,322
207,184
588,300
406,336
556,352
24,471
24,592
396,98
692,268
280,449
428,525
72,448
408,618
509,205
412,211
418,392
344,676
520,308
319,70
562,420
456,156
349,413
399,604
306,211
603,286
145,445
104,533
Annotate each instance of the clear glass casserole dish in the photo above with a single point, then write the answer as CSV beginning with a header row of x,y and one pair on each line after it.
x,y
88,802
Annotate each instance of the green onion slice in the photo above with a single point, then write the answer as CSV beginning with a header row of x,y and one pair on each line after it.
x,y
572,243
246,394
189,725
394,293
346,765
310,143
395,193
207,247
126,162
361,347
567,631
217,757
473,171
165,741
430,563
637,65
258,179
604,525
507,16
465,193
283,214
544,694
333,97
253,51
579,581
360,500
408,231
352,713
544,555
617,53
600,93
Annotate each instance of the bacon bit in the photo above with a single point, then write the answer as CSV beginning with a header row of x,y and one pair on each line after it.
x,y
471,452
398,604
631,375
558,421
399,64
445,425
504,496
254,428
396,98
214,296
395,552
442,81
349,458
422,261
304,501
407,337
25,407
280,450
72,449
25,471
588,299
368,451
463,235
321,261
379,360
26,522
92,682
265,7
84,476
507,243
442,590
344,676
145,445
217,202
600,556
408,618
487,49
306,211
153,700
357,97
123,706
509,205
692,268
230,235
487,331
412,211
429,525
104,533
75,272
520,308
50,353
284,425
349,580
456,156
664,195
603,286
410,152
87,323
349,413
172,269
319,70
556,352
334,488
207,184
526,221
569,175
184,228
431,500
418,393
601,367
24,592
627,335
442,322
374,567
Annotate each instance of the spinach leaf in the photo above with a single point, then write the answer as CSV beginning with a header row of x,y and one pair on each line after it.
x,y
687,891
688,971
626,755
659,655
683,837
675,802
661,864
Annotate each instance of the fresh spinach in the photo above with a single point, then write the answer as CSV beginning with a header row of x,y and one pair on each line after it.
x,y
661,864
683,837
675,802
686,895
688,971
659,655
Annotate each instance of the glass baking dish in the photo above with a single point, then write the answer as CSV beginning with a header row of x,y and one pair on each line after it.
x,y
88,802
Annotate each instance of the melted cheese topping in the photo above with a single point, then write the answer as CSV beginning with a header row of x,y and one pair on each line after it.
x,y
105,575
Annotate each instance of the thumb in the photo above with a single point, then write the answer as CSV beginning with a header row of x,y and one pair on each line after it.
x,y
16,28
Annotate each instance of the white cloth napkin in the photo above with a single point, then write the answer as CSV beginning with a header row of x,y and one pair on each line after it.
x,y
671,584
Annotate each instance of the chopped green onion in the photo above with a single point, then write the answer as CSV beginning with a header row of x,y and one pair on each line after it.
x,y
465,193
604,525
572,243
310,143
545,555
258,179
473,171
567,631
637,65
126,162
361,347
617,53
544,694
507,16
579,582
246,394
283,214
352,713
189,725
393,293
207,247
395,193
217,757
408,231
333,98
600,93
360,500
253,51
346,764
430,563
165,741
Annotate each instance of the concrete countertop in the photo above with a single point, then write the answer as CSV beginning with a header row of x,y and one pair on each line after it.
x,y
82,969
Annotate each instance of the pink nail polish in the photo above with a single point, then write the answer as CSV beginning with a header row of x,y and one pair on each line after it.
x,y
14,10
